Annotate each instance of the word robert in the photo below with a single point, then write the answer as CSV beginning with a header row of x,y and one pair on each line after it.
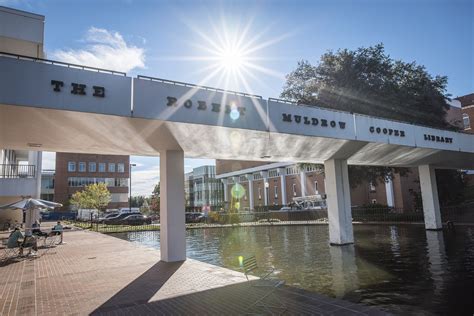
x,y
312,121
387,131
438,139
202,105
79,89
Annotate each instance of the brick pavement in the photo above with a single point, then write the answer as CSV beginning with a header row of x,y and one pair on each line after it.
x,y
102,275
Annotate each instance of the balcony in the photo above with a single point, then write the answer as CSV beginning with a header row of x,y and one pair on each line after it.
x,y
17,171
18,180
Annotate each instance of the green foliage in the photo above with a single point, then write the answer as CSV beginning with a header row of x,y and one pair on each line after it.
x,y
94,196
155,199
368,81
451,184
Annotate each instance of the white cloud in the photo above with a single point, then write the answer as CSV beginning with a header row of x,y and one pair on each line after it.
x,y
144,181
104,49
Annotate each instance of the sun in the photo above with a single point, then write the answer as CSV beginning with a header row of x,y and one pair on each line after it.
x,y
231,58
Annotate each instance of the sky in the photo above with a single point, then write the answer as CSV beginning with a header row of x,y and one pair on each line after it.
x,y
250,46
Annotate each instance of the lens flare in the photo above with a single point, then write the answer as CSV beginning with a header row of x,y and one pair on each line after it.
x,y
237,191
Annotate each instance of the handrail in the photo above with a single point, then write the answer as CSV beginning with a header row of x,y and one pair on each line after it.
x,y
190,85
13,171
60,63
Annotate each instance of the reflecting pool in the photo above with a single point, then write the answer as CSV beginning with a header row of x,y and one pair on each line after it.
x,y
401,268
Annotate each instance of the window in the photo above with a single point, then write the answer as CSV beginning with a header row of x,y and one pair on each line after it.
x,y
316,187
111,167
120,167
466,121
294,189
259,193
71,166
374,201
101,167
371,187
92,166
276,192
82,167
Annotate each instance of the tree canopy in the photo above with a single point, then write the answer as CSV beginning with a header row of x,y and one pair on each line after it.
x,y
368,81
94,196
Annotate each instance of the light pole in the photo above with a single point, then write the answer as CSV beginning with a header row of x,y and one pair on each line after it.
x,y
130,187
267,199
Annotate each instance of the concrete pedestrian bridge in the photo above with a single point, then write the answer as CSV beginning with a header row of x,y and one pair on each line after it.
x,y
69,108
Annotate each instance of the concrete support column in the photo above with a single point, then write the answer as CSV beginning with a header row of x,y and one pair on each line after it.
x,y
250,192
226,198
172,218
303,182
265,186
282,173
339,202
429,195
389,193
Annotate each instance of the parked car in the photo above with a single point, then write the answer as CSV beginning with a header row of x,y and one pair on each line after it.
x,y
135,219
116,220
106,216
195,217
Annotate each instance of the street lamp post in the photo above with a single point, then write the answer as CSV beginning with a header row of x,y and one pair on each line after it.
x,y
130,188
267,199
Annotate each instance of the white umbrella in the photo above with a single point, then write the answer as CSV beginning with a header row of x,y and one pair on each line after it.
x,y
29,205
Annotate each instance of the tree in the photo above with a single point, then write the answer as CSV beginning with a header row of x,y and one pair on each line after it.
x,y
94,196
155,199
368,81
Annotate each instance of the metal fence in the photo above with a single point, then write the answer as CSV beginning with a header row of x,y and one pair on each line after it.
x,y
458,214
17,171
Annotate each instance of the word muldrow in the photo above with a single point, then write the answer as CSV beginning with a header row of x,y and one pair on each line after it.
x,y
312,121
387,131
202,105
438,139
79,89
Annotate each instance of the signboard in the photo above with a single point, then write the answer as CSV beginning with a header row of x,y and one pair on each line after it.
x,y
309,121
37,84
187,104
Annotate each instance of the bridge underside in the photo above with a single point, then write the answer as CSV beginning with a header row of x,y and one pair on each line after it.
x,y
69,131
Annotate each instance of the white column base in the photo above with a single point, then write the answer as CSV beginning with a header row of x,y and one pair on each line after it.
x,y
339,202
172,217
429,195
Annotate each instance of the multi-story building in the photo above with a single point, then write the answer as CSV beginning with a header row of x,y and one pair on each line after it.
x,y
267,184
467,109
47,185
202,189
20,170
74,171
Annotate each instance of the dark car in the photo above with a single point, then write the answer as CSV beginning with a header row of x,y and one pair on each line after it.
x,y
135,219
116,220
195,217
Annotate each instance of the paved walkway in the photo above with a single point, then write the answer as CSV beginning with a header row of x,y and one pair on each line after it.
x,y
98,274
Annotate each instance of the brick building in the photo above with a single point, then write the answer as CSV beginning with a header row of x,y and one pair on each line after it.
x,y
287,181
467,109
74,171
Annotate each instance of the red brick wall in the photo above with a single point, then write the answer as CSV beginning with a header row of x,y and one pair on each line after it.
x,y
62,191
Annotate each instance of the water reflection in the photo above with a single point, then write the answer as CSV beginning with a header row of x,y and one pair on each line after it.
x,y
344,270
437,258
402,268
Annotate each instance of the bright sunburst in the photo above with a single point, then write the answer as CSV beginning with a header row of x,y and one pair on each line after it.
x,y
232,57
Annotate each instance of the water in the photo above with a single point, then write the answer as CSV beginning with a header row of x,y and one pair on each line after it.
x,y
403,268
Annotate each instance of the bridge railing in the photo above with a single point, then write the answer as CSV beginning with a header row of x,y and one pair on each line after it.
x,y
63,64
190,85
